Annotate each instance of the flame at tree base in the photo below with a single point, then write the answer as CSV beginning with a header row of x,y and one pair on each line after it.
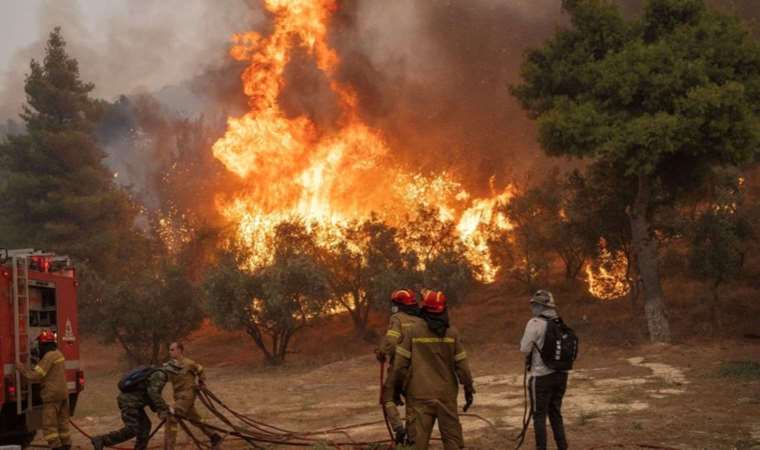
x,y
608,278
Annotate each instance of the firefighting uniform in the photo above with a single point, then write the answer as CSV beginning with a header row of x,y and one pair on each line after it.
x,y
399,324
132,406
430,367
51,373
183,385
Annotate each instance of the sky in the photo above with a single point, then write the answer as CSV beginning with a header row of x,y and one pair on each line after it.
x,y
123,46
22,19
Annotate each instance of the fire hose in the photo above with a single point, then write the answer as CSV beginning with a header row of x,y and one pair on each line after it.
x,y
254,432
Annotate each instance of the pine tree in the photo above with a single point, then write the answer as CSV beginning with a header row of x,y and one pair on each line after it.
x,y
57,193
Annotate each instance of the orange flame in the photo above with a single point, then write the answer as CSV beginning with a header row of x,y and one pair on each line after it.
x,y
608,278
290,168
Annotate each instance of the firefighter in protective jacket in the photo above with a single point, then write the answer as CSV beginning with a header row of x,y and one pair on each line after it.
x,y
183,375
132,406
430,364
405,314
50,372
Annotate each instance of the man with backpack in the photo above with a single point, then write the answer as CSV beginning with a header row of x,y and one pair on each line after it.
x,y
551,347
138,388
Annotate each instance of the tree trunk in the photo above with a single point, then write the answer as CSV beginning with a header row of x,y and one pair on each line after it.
x,y
645,248
255,333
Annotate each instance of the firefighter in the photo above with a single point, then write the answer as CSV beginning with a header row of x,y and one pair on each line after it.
x,y
143,388
184,373
50,372
404,315
430,363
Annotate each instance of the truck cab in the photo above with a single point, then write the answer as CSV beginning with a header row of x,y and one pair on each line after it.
x,y
38,290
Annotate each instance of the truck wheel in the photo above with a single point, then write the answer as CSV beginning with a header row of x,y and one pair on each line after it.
x,y
24,439
13,429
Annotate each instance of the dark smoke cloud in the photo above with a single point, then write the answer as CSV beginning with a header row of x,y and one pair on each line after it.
x,y
434,76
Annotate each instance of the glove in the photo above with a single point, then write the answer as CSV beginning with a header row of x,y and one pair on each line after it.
x,y
380,356
397,398
469,397
400,435
201,384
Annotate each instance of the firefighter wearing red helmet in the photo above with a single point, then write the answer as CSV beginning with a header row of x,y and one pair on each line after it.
x,y
50,372
430,364
404,315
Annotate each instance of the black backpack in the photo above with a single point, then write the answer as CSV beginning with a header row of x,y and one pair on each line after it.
x,y
560,345
135,378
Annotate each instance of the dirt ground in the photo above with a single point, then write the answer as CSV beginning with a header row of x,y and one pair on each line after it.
x,y
623,393
661,395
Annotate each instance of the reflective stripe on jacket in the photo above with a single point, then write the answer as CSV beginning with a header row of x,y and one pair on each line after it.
x,y
50,372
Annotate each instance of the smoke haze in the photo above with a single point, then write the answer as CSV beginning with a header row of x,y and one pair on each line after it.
x,y
432,75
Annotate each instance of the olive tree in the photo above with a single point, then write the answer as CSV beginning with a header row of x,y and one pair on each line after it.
x,y
275,301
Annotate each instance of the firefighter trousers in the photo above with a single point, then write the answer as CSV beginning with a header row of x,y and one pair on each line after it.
x,y
185,407
136,425
422,416
55,423
390,408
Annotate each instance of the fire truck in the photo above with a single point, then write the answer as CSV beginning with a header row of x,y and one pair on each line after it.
x,y
38,290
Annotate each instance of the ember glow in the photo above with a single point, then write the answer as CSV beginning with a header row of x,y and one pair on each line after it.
x,y
292,169
607,277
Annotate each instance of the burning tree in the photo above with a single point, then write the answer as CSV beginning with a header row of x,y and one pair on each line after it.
x,y
677,88
363,266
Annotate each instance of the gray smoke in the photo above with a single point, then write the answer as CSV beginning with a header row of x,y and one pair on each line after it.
x,y
432,75
142,46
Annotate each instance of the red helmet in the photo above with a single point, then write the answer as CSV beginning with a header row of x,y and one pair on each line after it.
x,y
404,297
434,301
46,336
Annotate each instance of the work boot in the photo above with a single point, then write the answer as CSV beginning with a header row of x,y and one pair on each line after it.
x,y
97,443
215,440
400,435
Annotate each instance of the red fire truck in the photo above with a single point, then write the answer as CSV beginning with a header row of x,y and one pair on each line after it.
x,y
38,290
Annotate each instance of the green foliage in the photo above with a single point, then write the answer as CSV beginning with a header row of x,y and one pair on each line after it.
x,y
680,81
275,301
720,235
363,266
437,258
664,98
740,369
545,222
57,194
144,312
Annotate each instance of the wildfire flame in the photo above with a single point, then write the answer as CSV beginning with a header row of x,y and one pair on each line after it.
x,y
290,168
608,278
